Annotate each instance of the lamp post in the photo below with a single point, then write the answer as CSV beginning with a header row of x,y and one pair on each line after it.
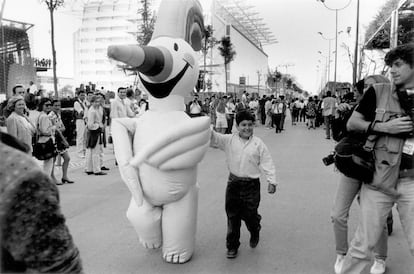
x,y
336,33
329,51
327,65
355,68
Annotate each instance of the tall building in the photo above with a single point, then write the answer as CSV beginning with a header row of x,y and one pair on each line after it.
x,y
248,34
104,23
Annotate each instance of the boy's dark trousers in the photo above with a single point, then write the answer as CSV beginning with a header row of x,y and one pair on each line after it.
x,y
242,201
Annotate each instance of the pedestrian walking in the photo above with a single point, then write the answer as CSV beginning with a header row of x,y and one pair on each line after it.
x,y
328,112
18,123
221,119
245,154
46,133
311,113
348,188
79,111
62,144
95,139
230,113
393,178
277,111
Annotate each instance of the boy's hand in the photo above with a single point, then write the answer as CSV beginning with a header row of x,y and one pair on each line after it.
x,y
271,188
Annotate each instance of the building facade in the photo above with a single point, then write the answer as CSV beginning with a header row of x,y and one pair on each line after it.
x,y
104,23
248,34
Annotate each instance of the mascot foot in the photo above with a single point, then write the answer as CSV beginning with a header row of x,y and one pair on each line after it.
x,y
150,244
176,258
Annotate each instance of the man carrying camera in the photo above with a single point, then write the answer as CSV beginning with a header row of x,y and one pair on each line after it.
x,y
194,107
384,112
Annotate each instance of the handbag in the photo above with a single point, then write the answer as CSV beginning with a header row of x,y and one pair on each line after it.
x,y
44,151
355,159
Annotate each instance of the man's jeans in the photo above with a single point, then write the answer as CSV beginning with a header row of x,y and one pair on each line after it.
x,y
375,207
328,125
348,189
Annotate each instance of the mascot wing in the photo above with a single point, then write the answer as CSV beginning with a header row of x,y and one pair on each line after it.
x,y
181,147
122,130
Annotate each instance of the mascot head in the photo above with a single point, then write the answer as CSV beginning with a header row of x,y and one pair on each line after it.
x,y
169,64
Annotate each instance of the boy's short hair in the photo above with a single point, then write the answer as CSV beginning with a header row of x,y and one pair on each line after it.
x,y
244,115
404,52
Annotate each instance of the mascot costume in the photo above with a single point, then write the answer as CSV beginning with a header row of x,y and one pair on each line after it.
x,y
158,152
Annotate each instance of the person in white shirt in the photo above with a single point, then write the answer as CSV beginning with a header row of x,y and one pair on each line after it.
x,y
245,155
230,112
277,110
33,88
268,110
119,107
79,109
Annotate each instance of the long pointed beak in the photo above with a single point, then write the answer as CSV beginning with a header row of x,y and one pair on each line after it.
x,y
147,60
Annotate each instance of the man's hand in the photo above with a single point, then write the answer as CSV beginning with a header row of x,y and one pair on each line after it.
x,y
344,107
271,188
395,126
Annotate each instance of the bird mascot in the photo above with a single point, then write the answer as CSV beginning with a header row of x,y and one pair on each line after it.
x,y
158,152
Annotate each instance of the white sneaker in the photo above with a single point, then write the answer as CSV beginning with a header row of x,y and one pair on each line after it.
x,y
339,263
378,267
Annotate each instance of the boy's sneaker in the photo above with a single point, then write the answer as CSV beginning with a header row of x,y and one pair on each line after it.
x,y
231,253
339,263
254,240
378,267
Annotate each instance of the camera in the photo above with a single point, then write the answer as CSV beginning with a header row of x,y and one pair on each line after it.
x,y
329,160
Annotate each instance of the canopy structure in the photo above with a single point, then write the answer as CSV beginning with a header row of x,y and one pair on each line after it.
x,y
396,30
243,17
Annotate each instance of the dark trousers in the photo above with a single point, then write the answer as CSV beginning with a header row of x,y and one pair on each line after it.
x,y
263,115
230,119
242,201
277,119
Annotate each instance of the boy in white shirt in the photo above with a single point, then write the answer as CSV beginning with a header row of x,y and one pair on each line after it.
x,y
245,155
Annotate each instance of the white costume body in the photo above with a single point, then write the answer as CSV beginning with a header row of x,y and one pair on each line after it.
x,y
158,152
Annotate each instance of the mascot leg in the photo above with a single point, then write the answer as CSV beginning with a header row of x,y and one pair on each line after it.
x,y
179,222
146,221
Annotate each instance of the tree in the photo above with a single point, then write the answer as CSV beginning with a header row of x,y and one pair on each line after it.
x,y
381,26
209,43
146,28
52,5
228,53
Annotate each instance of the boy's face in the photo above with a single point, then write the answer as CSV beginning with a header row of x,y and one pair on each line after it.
x,y
402,74
245,129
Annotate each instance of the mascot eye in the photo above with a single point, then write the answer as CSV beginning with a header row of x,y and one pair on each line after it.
x,y
175,47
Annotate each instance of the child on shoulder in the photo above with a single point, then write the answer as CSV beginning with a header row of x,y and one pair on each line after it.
x,y
245,155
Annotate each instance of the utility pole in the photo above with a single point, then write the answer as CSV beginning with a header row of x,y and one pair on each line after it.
x,y
354,75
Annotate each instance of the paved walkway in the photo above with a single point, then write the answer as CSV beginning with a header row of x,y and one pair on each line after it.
x,y
296,236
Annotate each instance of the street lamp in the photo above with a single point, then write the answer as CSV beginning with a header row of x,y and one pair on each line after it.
x,y
355,68
327,65
329,50
336,33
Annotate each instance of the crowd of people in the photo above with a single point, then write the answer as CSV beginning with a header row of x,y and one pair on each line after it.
x,y
37,122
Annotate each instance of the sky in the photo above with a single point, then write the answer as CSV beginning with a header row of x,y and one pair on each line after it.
x,y
294,23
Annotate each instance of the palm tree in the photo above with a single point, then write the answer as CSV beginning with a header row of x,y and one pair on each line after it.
x,y
228,53
148,21
209,42
52,5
